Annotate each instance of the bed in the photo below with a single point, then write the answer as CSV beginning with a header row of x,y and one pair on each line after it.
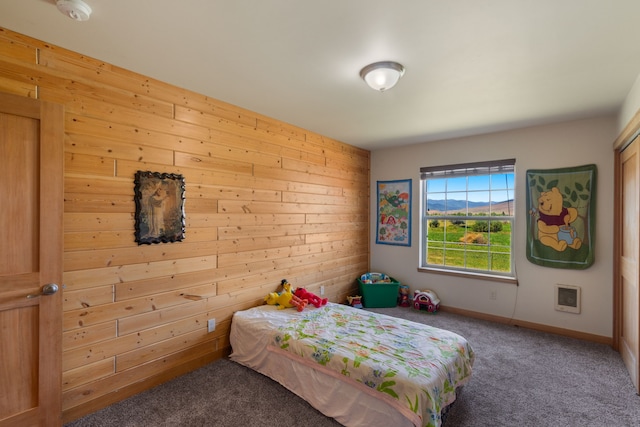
x,y
359,367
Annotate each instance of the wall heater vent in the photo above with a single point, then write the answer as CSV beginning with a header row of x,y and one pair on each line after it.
x,y
568,298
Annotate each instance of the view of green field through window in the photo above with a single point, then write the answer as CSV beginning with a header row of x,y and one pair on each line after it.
x,y
469,222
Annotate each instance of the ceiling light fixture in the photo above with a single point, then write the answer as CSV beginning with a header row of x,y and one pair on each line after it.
x,y
74,9
382,75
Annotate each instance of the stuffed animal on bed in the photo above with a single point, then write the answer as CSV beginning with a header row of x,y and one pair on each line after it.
x,y
280,299
299,303
296,301
312,298
285,299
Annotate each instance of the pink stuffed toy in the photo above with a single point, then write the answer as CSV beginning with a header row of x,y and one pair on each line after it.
x,y
314,299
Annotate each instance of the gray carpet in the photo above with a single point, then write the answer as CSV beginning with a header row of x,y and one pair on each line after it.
x,y
521,378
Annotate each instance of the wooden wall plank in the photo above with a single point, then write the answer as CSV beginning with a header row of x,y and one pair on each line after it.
x,y
233,179
321,170
98,258
99,146
293,197
235,193
88,373
93,315
146,321
13,48
88,297
154,351
89,165
18,87
301,176
76,400
227,137
82,279
265,200
211,163
90,335
233,206
282,129
221,220
97,203
82,221
156,285
78,241
335,218
100,103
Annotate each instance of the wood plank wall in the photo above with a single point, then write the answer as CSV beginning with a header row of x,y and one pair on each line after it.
x,y
265,201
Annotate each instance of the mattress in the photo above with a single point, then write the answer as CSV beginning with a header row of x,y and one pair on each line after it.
x,y
359,367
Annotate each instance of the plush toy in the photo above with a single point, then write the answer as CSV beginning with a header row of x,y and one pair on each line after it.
x,y
312,298
299,303
355,301
281,299
554,229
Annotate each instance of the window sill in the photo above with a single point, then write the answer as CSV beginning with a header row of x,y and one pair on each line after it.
x,y
470,275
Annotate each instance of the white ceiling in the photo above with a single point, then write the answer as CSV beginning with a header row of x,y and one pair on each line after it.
x,y
472,66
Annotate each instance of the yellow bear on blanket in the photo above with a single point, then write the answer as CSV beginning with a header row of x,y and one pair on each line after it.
x,y
554,221
286,298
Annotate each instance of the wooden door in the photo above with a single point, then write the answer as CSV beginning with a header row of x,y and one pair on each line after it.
x,y
629,298
31,200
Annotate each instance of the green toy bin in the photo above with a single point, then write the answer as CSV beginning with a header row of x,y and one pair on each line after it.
x,y
378,290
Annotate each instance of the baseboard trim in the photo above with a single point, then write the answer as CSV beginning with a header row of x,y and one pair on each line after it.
x,y
530,325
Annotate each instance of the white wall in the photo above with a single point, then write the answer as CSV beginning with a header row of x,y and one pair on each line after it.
x,y
551,146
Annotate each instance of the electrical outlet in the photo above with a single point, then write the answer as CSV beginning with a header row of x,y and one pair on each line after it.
x,y
211,325
493,295
322,290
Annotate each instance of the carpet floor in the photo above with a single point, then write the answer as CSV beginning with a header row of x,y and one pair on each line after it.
x,y
520,378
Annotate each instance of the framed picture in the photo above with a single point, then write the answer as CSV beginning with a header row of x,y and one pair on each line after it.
x,y
394,213
159,201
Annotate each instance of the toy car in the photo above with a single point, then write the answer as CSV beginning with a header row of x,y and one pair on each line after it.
x,y
426,300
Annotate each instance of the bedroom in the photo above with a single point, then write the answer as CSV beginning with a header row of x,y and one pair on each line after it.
x,y
288,203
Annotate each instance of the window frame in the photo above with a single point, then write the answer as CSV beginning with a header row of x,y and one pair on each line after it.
x,y
466,170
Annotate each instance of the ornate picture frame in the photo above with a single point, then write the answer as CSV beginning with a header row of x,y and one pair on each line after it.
x,y
159,216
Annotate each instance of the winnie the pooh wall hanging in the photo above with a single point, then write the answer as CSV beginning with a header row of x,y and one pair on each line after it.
x,y
561,223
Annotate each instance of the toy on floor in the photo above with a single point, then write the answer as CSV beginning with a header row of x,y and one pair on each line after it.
x,y
403,296
426,300
312,298
355,301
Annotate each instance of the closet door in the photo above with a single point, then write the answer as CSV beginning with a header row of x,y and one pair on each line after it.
x,y
629,299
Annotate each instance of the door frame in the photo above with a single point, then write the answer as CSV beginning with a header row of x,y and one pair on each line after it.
x,y
628,134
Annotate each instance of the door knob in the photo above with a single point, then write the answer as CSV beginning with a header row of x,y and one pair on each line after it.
x,y
48,289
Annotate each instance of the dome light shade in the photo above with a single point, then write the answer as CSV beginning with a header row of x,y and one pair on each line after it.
x,y
74,9
383,75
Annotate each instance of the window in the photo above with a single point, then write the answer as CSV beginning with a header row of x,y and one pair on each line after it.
x,y
467,213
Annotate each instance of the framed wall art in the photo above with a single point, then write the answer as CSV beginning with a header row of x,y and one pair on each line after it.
x,y
562,215
394,213
159,201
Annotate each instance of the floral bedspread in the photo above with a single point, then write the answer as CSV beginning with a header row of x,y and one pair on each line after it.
x,y
415,367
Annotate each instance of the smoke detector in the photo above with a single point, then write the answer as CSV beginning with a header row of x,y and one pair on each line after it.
x,y
74,9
